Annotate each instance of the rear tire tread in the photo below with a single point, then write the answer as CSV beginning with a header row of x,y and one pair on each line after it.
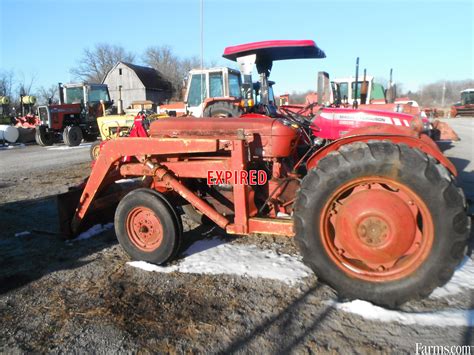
x,y
373,157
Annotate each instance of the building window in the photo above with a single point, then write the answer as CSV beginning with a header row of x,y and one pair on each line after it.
x,y
120,71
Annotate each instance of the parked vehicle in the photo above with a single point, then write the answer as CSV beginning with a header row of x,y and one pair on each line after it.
x,y
376,213
74,118
466,106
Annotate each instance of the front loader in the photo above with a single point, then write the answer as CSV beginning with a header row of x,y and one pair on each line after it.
x,y
376,214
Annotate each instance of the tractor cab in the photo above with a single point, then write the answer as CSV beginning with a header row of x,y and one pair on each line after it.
x,y
467,97
208,85
263,54
344,89
84,93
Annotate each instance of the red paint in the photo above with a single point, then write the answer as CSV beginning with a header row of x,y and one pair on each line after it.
x,y
380,241
267,137
395,135
276,50
144,229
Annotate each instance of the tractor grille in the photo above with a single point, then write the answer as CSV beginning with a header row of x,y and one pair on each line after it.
x,y
43,114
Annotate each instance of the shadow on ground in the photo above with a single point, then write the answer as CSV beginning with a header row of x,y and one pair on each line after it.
x,y
28,257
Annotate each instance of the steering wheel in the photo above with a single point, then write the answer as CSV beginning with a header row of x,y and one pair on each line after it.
x,y
296,117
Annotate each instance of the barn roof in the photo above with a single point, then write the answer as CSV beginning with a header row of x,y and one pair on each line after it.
x,y
150,78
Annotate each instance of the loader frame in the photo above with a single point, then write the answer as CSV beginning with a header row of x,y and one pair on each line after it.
x,y
151,161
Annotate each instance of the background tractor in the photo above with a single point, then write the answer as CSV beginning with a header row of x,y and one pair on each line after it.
x,y
74,118
466,106
209,92
376,213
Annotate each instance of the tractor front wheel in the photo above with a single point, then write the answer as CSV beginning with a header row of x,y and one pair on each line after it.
x,y
222,109
381,222
147,228
95,150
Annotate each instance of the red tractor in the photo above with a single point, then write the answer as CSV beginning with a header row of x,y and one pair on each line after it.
x,y
375,213
74,118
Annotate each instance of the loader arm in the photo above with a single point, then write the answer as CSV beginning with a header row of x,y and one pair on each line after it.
x,y
138,147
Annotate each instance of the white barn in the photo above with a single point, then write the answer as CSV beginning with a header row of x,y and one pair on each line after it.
x,y
132,82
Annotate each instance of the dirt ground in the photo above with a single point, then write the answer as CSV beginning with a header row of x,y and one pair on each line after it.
x,y
81,296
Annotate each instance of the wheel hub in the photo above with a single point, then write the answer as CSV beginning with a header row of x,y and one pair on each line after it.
x,y
373,231
144,228
379,232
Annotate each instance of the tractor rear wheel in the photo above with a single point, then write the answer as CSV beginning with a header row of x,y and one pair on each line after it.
x,y
381,222
72,136
43,137
147,228
222,109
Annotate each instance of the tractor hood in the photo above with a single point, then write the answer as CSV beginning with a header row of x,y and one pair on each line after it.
x,y
266,136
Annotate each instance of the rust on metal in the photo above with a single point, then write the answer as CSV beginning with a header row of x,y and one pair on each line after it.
x,y
144,229
384,240
276,226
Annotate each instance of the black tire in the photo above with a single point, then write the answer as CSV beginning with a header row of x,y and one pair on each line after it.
x,y
222,109
94,150
170,242
72,136
43,137
426,177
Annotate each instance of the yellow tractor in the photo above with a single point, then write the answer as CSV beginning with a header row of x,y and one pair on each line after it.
x,y
113,126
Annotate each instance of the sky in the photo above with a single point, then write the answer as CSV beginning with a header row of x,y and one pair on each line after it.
x,y
423,41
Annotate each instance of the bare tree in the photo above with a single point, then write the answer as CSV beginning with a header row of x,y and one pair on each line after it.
x,y
167,63
97,62
6,83
45,94
172,67
25,85
431,94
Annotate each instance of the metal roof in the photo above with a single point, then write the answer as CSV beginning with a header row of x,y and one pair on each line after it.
x,y
150,77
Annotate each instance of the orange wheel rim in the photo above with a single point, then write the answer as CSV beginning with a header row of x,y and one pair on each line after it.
x,y
144,229
376,229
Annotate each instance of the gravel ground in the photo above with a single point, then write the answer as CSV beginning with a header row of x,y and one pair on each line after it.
x,y
81,296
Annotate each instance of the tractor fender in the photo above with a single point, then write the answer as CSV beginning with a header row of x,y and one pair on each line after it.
x,y
395,135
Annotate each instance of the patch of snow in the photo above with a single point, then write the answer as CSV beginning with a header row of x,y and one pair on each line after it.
x,y
215,256
13,146
462,279
97,229
65,147
21,234
445,318
152,267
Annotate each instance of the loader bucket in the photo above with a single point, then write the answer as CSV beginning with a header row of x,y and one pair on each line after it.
x,y
66,205
444,132
101,211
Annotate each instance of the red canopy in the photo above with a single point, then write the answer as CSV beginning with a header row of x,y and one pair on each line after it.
x,y
276,50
